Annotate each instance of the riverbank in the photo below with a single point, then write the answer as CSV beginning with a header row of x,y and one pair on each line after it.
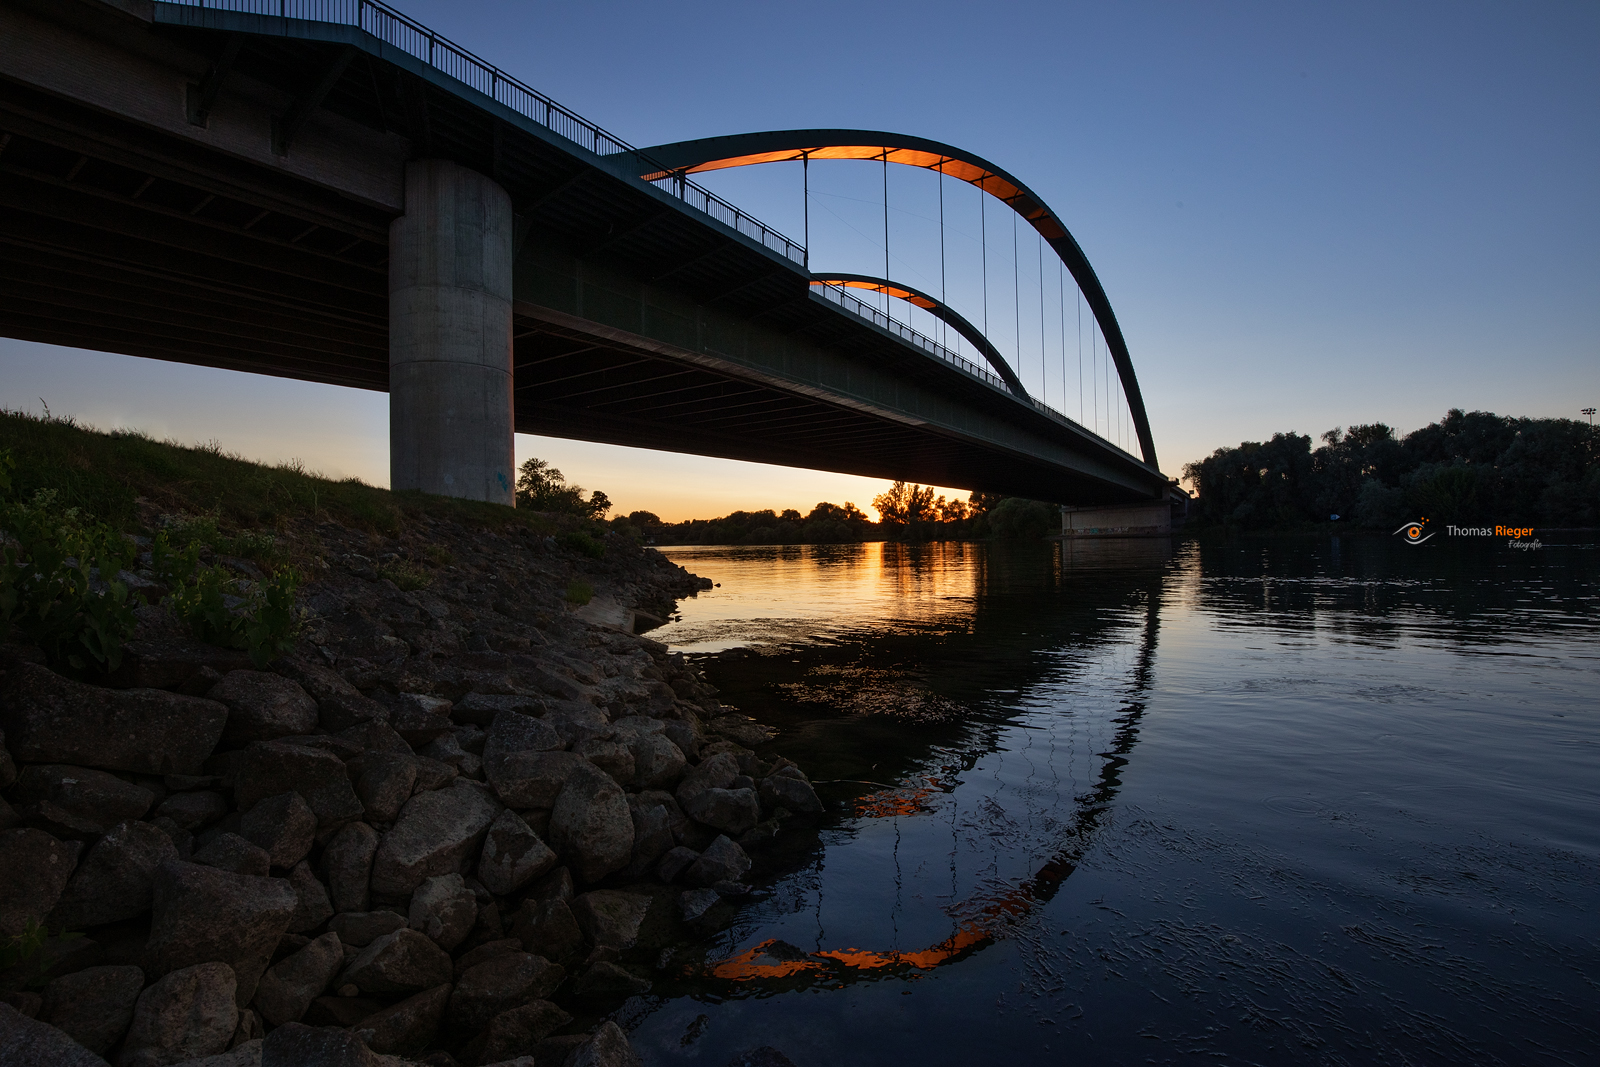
x,y
458,821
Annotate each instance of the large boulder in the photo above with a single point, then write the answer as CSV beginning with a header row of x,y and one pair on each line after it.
x,y
283,825
77,801
384,782
516,1032
50,719
437,833
409,1026
613,757
34,869
420,718
289,987
713,772
547,928
263,706
444,909
347,863
299,1045
205,915
498,985
590,824
610,918
402,962
313,907
113,881
230,852
270,768
340,705
189,1013
653,835
194,810
480,709
241,1054
607,1047
361,928
732,811
513,752
513,855
657,761
795,794
93,1006
722,861
26,1042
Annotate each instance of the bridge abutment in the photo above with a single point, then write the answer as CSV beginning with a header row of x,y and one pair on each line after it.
x,y
450,360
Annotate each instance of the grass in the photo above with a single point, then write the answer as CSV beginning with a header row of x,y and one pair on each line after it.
x,y
579,592
221,496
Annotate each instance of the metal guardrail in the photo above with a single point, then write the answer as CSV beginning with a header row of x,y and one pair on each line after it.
x,y
411,37
839,295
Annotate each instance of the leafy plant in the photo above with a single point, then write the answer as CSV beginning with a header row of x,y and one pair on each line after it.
x,y
26,950
583,544
58,581
405,574
579,592
221,609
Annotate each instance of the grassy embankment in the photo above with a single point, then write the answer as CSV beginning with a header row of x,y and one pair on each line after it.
x,y
126,478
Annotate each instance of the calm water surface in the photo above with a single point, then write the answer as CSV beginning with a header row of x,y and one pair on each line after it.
x,y
1256,802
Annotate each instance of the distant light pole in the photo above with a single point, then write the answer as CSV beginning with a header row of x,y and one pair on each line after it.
x,y
1590,412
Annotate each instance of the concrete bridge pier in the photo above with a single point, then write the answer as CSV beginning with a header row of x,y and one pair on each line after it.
x,y
450,362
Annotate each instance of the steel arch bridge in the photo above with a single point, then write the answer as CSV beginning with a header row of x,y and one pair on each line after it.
x,y
215,181
665,161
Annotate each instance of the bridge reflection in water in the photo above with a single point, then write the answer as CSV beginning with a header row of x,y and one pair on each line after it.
x,y
973,708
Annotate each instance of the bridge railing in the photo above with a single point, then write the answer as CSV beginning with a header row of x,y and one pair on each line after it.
x,y
411,37
838,294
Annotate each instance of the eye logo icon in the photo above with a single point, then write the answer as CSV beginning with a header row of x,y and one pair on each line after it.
x,y
1412,532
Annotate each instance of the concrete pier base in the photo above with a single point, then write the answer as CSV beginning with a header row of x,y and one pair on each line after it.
x,y
1154,519
450,399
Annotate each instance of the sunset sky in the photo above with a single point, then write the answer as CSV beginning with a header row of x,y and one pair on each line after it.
x,y
1305,215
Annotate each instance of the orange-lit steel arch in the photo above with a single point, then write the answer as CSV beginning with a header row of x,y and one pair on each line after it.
x,y
776,146
938,310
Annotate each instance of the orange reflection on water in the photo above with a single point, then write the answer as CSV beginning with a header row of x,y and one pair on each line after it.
x,y
991,916
897,801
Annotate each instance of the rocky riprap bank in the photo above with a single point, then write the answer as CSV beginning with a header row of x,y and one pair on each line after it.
x,y
433,833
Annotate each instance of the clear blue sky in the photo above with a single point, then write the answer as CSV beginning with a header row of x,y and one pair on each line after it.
x,y
1305,215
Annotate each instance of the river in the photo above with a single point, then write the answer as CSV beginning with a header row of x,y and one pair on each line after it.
x,y
1260,801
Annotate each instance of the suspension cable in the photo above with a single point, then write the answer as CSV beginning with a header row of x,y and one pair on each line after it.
x,y
887,307
1016,292
944,297
1040,242
983,241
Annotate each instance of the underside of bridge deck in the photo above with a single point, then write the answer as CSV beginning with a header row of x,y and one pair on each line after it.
x,y
255,237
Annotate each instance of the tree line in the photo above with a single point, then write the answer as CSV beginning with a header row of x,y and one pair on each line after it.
x,y
1469,468
907,512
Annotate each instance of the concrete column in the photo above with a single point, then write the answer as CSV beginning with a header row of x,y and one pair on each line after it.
x,y
450,419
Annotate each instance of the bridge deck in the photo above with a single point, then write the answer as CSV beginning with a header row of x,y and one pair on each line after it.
x,y
144,234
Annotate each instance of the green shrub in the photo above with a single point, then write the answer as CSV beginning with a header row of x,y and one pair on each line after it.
x,y
58,581
582,544
25,952
405,574
579,592
223,610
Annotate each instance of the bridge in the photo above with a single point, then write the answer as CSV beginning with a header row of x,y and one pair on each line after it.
x,y
326,190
